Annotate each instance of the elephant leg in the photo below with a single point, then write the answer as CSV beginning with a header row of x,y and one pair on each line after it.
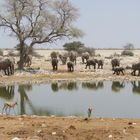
x,y
10,70
5,72
89,66
83,60
95,66
138,72
122,72
54,67
117,72
30,62
72,68
132,73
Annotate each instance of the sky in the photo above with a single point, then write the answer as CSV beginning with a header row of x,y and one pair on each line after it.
x,y
106,24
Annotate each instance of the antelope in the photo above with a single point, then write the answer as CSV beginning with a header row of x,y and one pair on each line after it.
x,y
89,111
8,105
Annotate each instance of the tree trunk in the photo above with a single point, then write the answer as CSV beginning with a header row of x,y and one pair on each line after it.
x,y
22,53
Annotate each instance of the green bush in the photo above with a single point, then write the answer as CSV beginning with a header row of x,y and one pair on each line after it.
x,y
73,46
91,51
127,53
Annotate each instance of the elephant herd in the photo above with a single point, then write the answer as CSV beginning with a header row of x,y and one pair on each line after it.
x,y
117,69
115,63
70,60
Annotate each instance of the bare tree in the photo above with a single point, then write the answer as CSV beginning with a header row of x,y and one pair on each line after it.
x,y
38,21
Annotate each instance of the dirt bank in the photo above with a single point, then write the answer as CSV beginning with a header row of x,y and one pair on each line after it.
x,y
68,128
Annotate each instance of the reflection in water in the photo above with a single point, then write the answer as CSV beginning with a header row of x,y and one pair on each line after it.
x,y
33,99
117,86
72,86
7,92
55,87
136,86
93,85
64,85
23,97
22,89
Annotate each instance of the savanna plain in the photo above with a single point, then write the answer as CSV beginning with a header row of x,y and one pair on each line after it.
x,y
23,127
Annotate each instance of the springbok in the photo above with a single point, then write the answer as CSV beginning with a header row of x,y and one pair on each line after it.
x,y
89,111
8,105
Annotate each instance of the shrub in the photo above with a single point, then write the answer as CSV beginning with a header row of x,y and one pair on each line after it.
x,y
91,51
1,52
127,53
73,46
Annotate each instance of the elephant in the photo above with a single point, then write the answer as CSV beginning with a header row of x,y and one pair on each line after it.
x,y
117,70
135,67
7,66
55,63
91,62
63,58
70,66
115,62
85,56
100,64
27,60
53,54
11,66
72,56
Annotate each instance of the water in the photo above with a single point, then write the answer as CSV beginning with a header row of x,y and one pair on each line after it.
x,y
108,99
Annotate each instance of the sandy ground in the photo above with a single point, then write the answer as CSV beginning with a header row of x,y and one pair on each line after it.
x,y
70,128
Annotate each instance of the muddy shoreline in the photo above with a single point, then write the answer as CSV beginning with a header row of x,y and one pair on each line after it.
x,y
62,77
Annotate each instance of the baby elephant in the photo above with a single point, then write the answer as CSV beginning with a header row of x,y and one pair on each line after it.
x,y
70,66
117,70
91,62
